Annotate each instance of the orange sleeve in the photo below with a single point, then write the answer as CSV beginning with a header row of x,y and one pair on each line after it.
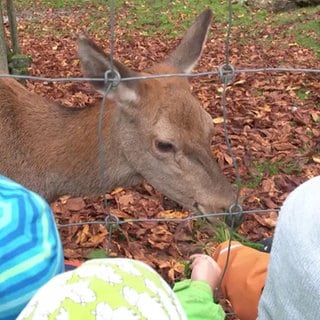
x,y
244,279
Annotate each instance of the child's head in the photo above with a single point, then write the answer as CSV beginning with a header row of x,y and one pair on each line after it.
x,y
30,246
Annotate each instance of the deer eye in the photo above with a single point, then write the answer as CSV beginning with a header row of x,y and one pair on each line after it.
x,y
164,146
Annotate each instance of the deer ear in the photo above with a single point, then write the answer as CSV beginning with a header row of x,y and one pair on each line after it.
x,y
95,62
187,54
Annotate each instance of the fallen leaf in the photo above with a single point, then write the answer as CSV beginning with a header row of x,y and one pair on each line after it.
x,y
316,158
267,220
218,120
171,214
75,204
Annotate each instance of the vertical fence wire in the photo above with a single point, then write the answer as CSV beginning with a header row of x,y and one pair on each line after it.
x,y
112,30
110,76
227,75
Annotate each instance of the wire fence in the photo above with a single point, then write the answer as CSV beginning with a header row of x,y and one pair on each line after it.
x,y
226,73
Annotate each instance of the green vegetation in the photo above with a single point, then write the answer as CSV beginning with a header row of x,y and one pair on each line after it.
x,y
187,269
269,169
217,233
98,254
308,35
170,18
304,24
55,4
224,233
302,94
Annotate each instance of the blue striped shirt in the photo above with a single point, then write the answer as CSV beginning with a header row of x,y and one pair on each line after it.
x,y
30,246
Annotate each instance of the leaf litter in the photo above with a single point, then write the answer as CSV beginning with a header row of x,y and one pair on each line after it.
x,y
272,120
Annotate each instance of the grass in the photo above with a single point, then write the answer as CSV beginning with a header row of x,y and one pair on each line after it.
x,y
222,234
98,254
304,24
302,94
171,18
264,169
151,16
55,4
308,34
217,233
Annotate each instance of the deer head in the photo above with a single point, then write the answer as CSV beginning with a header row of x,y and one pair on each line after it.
x,y
153,129
163,132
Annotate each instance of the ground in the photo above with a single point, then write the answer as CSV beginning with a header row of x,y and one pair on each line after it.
x,y
272,120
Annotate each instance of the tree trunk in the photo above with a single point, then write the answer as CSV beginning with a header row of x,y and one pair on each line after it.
x,y
3,45
13,27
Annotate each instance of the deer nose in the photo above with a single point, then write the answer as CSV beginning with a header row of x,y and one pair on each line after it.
x,y
208,209
228,208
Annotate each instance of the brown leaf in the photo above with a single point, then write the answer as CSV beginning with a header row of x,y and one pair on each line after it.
x,y
268,221
98,238
171,214
316,158
268,186
83,235
160,237
75,204
125,199
269,203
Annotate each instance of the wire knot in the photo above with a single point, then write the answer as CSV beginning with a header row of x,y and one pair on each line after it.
x,y
226,73
112,78
112,222
235,215
235,209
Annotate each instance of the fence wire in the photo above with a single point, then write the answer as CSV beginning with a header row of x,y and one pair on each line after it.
x,y
116,221
161,76
226,73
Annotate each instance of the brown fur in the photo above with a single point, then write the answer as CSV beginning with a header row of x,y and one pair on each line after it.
x,y
53,149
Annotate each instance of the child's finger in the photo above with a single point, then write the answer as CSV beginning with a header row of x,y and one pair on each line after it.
x,y
201,258
196,255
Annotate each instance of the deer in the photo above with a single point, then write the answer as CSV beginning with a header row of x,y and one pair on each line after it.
x,y
153,130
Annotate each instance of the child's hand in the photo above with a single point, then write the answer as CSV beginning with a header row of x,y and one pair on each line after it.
x,y
206,269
